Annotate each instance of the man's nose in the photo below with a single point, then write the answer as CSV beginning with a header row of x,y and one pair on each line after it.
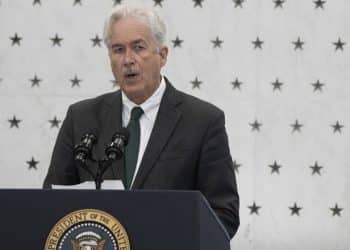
x,y
129,57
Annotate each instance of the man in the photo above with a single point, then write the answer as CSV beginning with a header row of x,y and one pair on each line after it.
x,y
180,141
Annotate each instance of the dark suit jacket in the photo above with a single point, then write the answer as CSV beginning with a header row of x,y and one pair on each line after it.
x,y
187,150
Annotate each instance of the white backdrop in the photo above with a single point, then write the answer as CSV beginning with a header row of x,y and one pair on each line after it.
x,y
285,100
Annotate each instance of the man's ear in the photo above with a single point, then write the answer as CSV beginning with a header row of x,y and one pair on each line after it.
x,y
163,52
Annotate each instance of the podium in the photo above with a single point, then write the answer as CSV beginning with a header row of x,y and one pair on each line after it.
x,y
153,220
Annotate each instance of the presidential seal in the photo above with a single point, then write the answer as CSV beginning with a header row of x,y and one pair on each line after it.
x,y
88,229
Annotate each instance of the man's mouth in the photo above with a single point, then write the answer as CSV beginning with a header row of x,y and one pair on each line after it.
x,y
131,76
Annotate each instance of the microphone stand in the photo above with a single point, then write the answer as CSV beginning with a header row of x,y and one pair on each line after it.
x,y
103,165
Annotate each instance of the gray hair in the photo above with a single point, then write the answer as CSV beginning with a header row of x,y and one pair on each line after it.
x,y
148,17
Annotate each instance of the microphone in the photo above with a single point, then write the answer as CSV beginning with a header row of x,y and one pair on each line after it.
x,y
115,150
82,151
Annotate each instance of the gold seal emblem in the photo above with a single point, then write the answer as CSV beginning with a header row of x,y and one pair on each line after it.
x,y
88,229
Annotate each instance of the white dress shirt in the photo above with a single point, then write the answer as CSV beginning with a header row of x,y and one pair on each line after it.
x,y
150,108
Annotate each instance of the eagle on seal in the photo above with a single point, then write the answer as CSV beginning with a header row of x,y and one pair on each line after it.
x,y
88,241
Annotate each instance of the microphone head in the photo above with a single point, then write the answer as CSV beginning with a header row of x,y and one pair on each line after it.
x,y
82,151
119,140
93,134
122,133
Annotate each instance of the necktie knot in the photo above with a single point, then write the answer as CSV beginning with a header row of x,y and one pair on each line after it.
x,y
136,113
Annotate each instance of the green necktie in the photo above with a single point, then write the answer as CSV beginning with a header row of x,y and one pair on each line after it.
x,y
132,149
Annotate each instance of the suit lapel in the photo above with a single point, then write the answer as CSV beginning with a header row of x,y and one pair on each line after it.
x,y
165,123
110,121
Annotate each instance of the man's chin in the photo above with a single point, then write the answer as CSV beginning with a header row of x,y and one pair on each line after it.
x,y
135,93
131,86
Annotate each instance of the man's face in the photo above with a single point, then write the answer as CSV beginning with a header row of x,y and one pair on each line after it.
x,y
135,59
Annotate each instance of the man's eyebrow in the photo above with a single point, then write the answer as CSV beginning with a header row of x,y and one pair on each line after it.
x,y
137,41
116,45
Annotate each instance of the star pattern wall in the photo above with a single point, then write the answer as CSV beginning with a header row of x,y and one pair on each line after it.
x,y
278,69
